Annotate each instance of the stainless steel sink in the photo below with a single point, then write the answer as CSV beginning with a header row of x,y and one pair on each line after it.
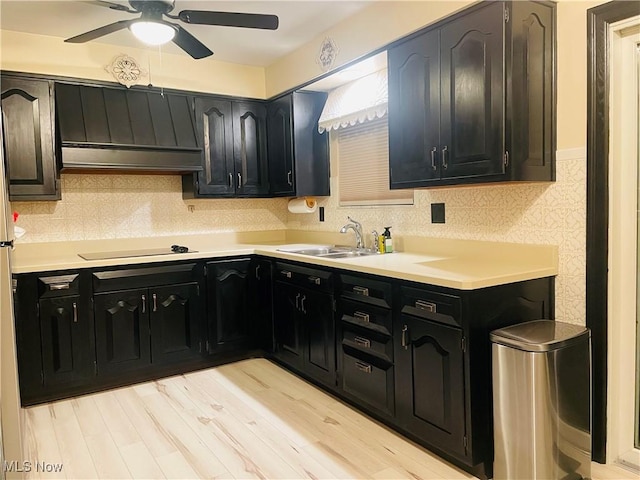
x,y
332,252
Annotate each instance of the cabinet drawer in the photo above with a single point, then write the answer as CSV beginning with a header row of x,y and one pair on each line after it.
x,y
434,306
368,383
368,342
310,278
366,290
59,285
366,316
142,277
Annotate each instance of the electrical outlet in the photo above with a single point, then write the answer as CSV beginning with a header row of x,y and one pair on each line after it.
x,y
321,214
437,213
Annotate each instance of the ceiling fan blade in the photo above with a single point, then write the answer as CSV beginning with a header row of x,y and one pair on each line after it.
x,y
111,5
100,32
230,19
190,44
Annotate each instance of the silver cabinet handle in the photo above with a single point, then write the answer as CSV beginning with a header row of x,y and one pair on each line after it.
x,y
297,300
231,179
314,280
289,178
433,158
361,291
14,285
363,342
286,273
361,316
155,302
404,336
424,305
144,303
239,181
258,272
445,153
59,286
304,297
75,312
363,367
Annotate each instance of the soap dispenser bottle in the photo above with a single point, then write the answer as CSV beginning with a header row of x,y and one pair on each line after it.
x,y
388,242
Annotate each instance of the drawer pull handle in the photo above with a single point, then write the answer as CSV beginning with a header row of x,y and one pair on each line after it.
x,y
433,159
363,367
361,316
404,336
363,342
144,303
14,285
258,272
286,273
428,306
59,286
75,312
304,297
231,180
297,300
289,178
314,280
155,302
239,180
445,155
361,291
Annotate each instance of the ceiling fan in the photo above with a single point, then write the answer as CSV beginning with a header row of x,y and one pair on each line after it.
x,y
151,28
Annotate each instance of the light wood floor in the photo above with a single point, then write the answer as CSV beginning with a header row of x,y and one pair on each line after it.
x,y
250,419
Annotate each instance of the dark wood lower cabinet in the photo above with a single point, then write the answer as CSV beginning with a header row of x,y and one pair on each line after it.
x,y
229,305
67,341
430,382
122,330
174,323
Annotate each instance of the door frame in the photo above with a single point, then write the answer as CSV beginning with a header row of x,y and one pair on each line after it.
x,y
599,20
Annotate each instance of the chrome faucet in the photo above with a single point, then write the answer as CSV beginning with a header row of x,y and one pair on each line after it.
x,y
357,228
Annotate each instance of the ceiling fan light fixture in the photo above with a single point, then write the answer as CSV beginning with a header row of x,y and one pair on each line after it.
x,y
152,33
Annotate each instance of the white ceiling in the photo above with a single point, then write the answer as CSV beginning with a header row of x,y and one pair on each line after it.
x,y
300,22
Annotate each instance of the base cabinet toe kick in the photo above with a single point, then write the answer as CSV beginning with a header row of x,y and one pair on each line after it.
x,y
414,356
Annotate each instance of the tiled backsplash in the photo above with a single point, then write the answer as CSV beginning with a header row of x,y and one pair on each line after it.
x,y
124,206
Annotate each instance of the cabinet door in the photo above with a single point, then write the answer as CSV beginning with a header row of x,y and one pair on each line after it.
x,y
530,106
319,336
430,382
280,147
414,111
228,305
28,133
287,324
250,148
174,322
122,330
261,318
67,344
472,94
215,130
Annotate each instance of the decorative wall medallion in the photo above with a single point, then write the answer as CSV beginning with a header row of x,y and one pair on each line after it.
x,y
126,70
327,54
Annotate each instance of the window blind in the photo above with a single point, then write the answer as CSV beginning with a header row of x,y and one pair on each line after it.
x,y
363,166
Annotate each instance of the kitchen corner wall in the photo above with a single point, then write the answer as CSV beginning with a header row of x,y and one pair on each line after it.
x,y
124,206
536,213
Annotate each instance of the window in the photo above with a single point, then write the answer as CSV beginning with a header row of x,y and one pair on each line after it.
x,y
363,166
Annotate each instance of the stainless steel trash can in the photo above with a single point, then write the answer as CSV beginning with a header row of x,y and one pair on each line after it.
x,y
542,401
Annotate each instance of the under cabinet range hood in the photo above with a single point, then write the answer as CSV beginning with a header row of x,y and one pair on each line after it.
x,y
118,129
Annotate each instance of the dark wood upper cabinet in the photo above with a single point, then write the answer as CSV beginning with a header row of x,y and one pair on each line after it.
x,y
233,135
29,138
298,153
472,99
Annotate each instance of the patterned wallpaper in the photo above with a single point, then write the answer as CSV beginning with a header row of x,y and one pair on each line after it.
x,y
123,206
538,213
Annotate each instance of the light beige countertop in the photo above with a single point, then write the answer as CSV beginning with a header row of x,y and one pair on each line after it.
x,y
460,264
